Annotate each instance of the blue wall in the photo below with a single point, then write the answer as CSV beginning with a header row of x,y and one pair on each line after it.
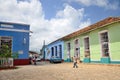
x,y
20,38
48,49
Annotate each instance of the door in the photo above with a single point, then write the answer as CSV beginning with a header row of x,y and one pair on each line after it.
x,y
77,49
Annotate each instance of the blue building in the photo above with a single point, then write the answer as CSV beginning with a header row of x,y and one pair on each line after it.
x,y
54,49
16,36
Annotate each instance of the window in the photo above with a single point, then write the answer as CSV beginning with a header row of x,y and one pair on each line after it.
x,y
5,45
104,44
86,47
52,50
6,40
77,48
68,46
76,41
60,50
68,49
55,50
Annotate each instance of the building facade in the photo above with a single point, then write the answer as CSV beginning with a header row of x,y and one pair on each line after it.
x,y
99,42
16,36
54,49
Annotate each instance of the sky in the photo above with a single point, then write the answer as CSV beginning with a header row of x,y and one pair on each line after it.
x,y
50,20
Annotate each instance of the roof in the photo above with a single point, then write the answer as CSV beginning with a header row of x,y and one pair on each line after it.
x,y
99,24
55,41
11,29
33,52
14,23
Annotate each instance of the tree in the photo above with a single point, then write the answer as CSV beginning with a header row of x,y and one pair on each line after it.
x,y
5,51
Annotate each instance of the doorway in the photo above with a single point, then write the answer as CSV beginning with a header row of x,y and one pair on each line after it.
x,y
77,49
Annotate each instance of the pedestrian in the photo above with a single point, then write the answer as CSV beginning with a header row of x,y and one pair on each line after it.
x,y
35,60
75,62
30,60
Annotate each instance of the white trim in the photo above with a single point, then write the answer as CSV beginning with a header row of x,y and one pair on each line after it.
x,y
85,37
99,33
58,50
103,31
109,46
100,42
114,60
67,45
54,51
84,45
68,52
78,42
16,30
78,46
84,42
95,60
7,26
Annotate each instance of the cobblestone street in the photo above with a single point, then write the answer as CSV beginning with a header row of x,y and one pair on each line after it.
x,y
62,71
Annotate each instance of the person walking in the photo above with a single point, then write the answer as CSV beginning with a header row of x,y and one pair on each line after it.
x,y
32,60
75,62
35,60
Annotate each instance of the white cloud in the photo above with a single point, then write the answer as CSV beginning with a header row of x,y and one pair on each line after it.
x,y
100,3
84,24
30,12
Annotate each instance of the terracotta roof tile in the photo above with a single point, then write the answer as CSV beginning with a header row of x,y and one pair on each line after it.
x,y
99,24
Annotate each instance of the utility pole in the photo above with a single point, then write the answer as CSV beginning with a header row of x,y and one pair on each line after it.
x,y
44,43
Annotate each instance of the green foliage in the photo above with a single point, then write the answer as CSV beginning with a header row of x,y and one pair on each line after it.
x,y
5,51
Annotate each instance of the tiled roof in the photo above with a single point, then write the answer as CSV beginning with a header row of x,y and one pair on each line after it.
x,y
99,24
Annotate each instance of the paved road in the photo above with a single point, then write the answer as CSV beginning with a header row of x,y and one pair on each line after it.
x,y
63,71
